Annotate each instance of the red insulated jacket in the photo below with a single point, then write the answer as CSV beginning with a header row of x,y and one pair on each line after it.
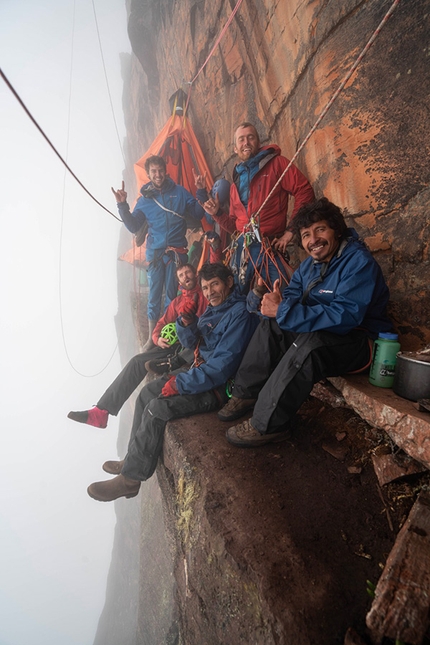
x,y
273,217
175,307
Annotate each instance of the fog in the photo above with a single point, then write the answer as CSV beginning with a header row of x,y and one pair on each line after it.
x,y
58,266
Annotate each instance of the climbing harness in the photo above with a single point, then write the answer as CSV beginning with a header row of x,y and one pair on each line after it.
x,y
252,229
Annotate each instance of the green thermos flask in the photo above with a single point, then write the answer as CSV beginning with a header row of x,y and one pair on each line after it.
x,y
384,359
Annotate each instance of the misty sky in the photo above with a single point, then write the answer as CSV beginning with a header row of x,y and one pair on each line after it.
x,y
56,541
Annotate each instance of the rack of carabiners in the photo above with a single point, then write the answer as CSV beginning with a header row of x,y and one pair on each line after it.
x,y
239,265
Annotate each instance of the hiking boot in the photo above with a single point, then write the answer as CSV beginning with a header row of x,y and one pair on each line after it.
x,y
236,408
158,367
244,435
119,486
95,417
113,467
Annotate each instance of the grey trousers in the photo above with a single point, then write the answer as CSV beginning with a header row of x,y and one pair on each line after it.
x,y
280,368
130,377
151,415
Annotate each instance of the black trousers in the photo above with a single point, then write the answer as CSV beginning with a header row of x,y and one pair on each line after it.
x,y
280,368
151,415
130,377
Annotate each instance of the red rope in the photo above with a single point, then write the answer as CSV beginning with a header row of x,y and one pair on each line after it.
x,y
267,253
27,111
217,42
331,101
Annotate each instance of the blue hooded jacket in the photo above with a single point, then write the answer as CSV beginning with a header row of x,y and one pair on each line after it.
x,y
164,228
352,294
224,333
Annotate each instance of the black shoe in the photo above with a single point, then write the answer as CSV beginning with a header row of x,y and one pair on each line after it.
x,y
161,366
158,367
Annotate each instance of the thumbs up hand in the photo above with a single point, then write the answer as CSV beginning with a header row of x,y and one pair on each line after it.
x,y
271,301
277,290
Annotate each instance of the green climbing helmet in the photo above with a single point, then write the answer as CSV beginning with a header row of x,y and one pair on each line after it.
x,y
169,333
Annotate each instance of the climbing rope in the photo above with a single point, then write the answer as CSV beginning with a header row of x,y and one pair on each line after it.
x,y
217,42
67,168
107,83
27,111
329,104
60,268
254,220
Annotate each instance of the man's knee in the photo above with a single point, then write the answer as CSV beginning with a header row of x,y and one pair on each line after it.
x,y
151,391
160,408
137,361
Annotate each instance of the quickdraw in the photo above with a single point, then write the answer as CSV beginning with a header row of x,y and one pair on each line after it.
x,y
198,360
175,252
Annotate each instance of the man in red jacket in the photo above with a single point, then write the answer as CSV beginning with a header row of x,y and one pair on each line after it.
x,y
190,302
261,237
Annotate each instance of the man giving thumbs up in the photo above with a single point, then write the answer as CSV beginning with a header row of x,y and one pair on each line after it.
x,y
322,325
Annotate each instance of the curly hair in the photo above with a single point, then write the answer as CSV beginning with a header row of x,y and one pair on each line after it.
x,y
188,266
154,160
320,209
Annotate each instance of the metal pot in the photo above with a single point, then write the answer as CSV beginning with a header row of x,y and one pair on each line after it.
x,y
412,376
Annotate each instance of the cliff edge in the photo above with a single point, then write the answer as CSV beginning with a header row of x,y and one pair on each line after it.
x,y
276,545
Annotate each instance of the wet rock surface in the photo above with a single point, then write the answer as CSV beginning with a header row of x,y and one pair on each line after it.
x,y
268,545
275,545
278,65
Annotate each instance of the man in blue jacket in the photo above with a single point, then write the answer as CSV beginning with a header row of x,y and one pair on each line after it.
x,y
162,208
322,325
219,339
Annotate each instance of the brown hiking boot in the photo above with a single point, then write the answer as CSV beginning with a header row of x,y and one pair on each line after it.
x,y
113,467
119,486
236,408
244,435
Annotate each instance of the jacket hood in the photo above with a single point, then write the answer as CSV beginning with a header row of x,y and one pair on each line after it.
x,y
149,190
259,160
189,292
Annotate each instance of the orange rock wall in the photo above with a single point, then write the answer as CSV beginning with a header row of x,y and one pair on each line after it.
x,y
277,66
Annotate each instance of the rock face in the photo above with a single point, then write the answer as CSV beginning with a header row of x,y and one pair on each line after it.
x,y
278,65
293,567
266,551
